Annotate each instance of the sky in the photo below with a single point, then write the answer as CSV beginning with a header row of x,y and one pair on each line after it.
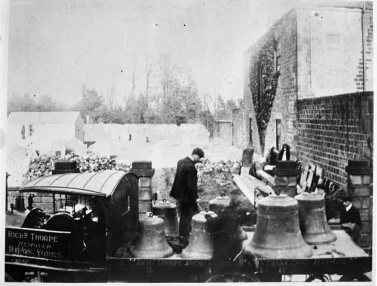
x,y
56,46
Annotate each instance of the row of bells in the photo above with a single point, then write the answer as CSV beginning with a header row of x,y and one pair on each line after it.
x,y
152,243
286,227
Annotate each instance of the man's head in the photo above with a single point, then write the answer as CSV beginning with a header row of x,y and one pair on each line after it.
x,y
347,200
197,154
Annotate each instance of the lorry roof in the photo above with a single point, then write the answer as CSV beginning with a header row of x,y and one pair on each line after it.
x,y
96,184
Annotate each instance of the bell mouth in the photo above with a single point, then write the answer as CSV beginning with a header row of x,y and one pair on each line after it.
x,y
278,195
207,212
304,196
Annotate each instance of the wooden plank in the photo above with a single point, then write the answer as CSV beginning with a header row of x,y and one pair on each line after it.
x,y
50,264
304,177
246,187
310,179
267,177
261,186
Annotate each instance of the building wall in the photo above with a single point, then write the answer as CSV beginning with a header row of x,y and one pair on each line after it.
x,y
330,51
321,55
334,129
42,136
283,107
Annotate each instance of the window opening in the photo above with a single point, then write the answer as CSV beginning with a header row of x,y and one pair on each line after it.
x,y
277,55
251,130
31,130
278,133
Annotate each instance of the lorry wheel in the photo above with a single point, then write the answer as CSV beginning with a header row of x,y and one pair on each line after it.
x,y
233,277
9,278
354,277
316,277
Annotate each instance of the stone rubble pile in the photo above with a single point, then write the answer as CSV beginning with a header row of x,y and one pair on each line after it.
x,y
40,166
206,166
44,164
218,172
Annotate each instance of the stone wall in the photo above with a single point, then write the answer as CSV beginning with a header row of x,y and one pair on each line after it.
x,y
239,132
223,130
334,129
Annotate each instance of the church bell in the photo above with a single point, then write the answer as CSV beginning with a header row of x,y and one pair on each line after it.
x,y
151,241
219,203
312,218
277,233
168,212
201,239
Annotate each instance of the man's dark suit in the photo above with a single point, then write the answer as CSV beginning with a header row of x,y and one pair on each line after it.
x,y
185,190
352,216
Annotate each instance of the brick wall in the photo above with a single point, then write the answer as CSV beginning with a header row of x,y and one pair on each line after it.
x,y
368,18
332,130
239,132
359,181
366,56
223,130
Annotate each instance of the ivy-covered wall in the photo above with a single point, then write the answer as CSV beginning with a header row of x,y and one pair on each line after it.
x,y
271,94
263,83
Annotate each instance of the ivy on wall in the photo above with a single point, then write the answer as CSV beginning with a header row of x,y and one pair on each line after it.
x,y
263,84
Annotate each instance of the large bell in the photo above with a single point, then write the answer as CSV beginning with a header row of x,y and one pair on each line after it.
x,y
168,212
312,218
218,204
151,241
277,233
201,239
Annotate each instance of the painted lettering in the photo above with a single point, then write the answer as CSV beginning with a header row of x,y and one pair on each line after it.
x,y
46,238
19,235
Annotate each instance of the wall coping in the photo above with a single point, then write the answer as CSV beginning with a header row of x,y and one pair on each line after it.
x,y
363,93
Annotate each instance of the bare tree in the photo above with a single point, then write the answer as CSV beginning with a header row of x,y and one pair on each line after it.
x,y
149,67
110,96
168,76
133,80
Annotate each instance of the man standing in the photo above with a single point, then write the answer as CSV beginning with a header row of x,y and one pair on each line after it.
x,y
185,190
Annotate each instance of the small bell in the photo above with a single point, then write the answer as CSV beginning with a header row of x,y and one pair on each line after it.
x,y
168,212
218,204
151,242
201,239
312,218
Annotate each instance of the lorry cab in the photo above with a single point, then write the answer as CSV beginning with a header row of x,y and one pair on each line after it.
x,y
71,223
